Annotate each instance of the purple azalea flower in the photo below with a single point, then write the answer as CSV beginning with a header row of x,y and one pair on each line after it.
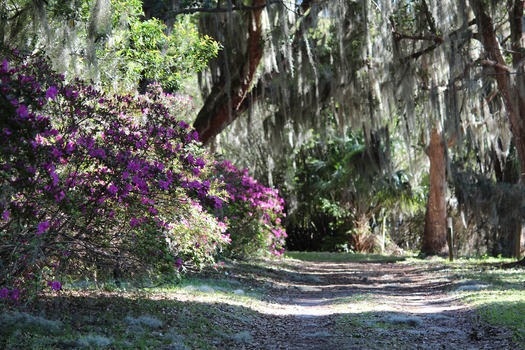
x,y
153,211
56,153
133,166
55,285
195,185
179,263
134,222
59,196
42,227
165,185
70,147
97,153
55,178
113,189
51,93
22,111
4,293
200,163
15,293
217,202
71,94
5,215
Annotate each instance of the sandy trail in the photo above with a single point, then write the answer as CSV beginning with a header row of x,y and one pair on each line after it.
x,y
351,305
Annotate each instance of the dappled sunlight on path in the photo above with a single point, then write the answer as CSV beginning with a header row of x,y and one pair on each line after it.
x,y
323,305
297,305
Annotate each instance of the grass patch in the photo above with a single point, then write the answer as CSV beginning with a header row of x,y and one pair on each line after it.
x,y
497,294
342,257
498,279
210,311
96,320
354,299
366,324
501,309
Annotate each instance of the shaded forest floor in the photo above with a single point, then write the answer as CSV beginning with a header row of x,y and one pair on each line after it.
x,y
287,304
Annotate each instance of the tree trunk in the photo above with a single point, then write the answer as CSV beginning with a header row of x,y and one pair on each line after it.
x,y
512,89
236,91
224,104
435,233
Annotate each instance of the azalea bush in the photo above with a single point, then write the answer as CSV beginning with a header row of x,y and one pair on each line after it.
x,y
96,185
254,213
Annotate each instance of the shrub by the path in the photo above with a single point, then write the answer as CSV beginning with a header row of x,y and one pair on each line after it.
x,y
96,185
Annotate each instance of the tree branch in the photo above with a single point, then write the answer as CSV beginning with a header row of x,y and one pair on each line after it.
x,y
219,9
431,37
490,63
420,53
430,20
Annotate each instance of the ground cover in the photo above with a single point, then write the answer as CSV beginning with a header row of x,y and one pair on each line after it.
x,y
303,301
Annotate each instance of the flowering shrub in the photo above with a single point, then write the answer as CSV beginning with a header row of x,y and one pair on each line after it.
x,y
97,182
93,184
253,212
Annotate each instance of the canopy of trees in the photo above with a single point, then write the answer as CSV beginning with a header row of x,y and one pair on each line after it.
x,y
444,78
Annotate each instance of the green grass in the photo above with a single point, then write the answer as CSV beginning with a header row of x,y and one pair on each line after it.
x,y
95,321
498,294
342,257
354,299
501,309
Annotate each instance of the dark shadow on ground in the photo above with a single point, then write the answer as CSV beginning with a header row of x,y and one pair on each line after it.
x,y
118,322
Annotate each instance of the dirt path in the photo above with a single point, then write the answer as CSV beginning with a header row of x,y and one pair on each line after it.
x,y
325,306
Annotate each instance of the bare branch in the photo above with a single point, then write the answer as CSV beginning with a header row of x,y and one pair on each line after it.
x,y
430,37
418,54
490,63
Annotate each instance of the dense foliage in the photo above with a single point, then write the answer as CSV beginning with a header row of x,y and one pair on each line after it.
x,y
94,184
346,190
141,50
110,42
